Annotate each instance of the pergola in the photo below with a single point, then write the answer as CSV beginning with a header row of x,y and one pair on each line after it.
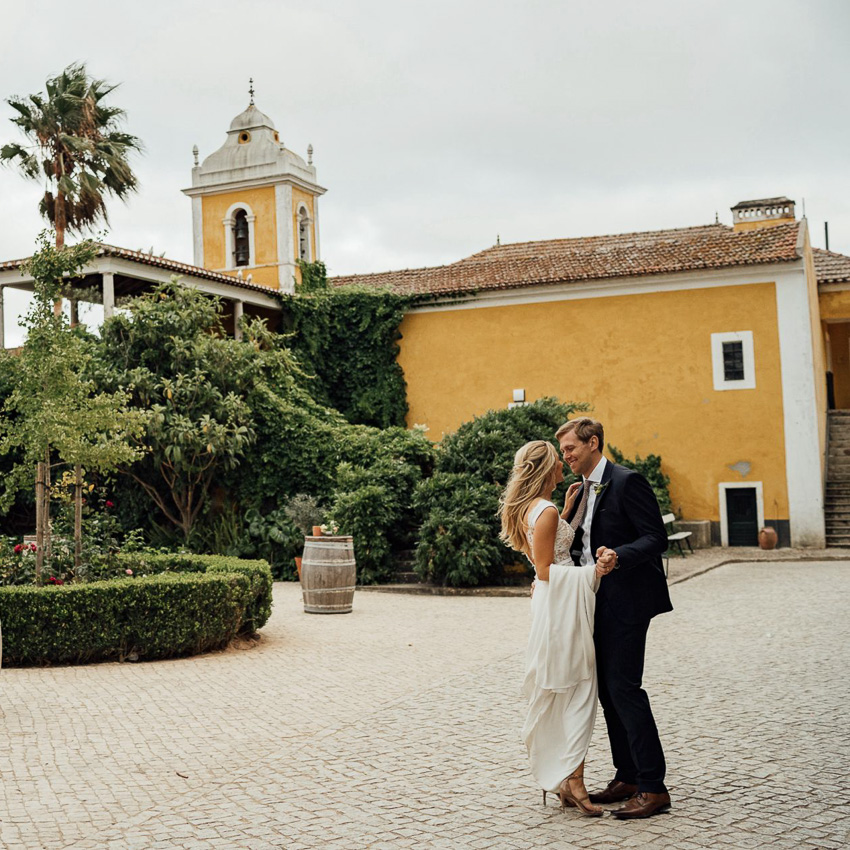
x,y
117,273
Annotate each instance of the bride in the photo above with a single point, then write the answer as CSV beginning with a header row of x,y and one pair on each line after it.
x,y
560,677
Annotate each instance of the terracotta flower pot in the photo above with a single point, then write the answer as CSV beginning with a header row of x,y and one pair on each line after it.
x,y
768,538
298,566
317,531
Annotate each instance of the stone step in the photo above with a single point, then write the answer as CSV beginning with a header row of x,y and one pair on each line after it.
x,y
837,542
406,577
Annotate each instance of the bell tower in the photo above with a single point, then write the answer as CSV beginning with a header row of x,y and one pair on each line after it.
x,y
255,205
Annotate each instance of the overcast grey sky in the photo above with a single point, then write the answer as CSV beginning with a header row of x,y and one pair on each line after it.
x,y
437,125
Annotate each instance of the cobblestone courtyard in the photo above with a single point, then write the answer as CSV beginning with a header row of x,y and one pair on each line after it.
x,y
398,726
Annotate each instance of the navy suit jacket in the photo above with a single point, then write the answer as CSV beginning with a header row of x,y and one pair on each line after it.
x,y
627,519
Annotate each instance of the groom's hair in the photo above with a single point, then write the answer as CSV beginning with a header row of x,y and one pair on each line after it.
x,y
585,428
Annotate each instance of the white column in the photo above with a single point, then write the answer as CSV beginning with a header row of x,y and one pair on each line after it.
x,y
108,295
2,319
198,230
799,406
238,310
316,227
285,237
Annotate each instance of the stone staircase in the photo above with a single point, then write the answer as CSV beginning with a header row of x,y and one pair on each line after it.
x,y
837,503
404,573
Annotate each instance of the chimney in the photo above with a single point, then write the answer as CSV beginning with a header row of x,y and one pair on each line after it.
x,y
766,212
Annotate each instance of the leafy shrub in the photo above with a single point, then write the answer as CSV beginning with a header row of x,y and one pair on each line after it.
x,y
275,539
458,543
171,606
257,602
374,494
650,468
304,511
366,513
17,562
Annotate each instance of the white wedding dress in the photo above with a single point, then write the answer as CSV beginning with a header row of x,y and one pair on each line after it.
x,y
560,665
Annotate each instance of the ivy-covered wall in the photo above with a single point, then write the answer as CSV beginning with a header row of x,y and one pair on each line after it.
x,y
347,339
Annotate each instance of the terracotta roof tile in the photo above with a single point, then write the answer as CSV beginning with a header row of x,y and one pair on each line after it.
x,y
831,267
104,250
523,264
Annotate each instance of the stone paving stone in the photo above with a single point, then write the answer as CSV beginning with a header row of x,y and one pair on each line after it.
x,y
398,725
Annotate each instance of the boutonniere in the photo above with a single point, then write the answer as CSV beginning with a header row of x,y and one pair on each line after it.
x,y
598,488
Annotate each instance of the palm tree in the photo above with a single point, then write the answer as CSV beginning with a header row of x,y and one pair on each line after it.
x,y
76,146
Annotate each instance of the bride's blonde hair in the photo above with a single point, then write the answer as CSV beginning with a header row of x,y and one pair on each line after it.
x,y
534,467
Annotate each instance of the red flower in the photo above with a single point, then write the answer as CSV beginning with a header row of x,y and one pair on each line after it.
x,y
33,547
53,580
110,504
19,548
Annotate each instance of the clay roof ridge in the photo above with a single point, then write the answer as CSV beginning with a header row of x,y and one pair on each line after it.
x,y
560,239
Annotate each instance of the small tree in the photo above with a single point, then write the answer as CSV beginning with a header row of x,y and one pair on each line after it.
x,y
172,356
55,415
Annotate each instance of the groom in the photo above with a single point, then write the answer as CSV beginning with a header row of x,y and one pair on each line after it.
x,y
621,528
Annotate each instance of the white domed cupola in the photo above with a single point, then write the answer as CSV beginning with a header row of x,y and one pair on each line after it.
x,y
255,204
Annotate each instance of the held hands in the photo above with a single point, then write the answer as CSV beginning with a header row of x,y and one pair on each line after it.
x,y
606,560
572,493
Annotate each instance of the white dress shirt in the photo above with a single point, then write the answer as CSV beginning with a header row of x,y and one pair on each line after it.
x,y
588,557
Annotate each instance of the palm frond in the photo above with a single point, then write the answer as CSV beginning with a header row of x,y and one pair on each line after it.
x,y
78,146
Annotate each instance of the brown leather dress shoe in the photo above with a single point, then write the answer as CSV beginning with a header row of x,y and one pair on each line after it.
x,y
616,792
643,804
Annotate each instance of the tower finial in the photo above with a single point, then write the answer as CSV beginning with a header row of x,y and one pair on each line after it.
x,y
195,154
251,89
309,154
716,217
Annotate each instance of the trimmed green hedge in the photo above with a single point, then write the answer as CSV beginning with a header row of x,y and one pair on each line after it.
x,y
173,605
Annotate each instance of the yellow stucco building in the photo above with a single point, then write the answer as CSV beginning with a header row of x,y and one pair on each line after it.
x,y
704,345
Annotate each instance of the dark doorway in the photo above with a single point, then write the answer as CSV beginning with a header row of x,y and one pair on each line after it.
x,y
742,516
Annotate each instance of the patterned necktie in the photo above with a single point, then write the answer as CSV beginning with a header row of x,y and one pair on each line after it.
x,y
576,521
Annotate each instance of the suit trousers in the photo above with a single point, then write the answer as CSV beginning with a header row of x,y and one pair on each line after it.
x,y
635,746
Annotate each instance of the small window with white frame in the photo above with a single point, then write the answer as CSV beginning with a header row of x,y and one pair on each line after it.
x,y
733,361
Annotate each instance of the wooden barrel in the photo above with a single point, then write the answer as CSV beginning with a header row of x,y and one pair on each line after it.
x,y
328,574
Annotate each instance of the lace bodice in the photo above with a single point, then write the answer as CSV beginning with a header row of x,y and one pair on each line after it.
x,y
563,536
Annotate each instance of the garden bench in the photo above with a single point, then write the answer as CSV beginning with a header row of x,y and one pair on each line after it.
x,y
676,538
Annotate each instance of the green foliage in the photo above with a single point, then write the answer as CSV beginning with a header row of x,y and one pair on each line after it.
x,y
485,446
650,468
191,382
347,337
304,512
458,543
170,606
367,513
55,409
296,449
17,562
76,146
55,413
275,538
373,493
458,540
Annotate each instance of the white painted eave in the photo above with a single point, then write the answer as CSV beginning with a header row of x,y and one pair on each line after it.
x,y
612,287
